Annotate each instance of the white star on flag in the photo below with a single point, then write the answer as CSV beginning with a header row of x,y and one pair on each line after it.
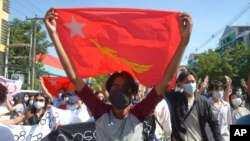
x,y
52,82
75,27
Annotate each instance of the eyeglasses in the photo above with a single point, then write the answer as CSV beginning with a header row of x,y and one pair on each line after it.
x,y
41,100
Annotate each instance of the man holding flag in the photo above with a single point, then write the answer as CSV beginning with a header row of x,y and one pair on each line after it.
x,y
112,38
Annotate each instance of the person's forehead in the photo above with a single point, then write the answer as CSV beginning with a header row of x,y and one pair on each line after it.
x,y
190,78
100,94
119,81
40,97
234,96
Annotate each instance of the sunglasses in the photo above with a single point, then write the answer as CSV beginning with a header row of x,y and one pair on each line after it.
x,y
41,100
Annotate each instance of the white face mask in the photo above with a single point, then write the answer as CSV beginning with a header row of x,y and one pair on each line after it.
x,y
190,88
39,104
237,102
239,92
31,102
218,94
65,99
26,99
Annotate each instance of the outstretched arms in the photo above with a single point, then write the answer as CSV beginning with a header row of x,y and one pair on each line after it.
x,y
50,23
185,29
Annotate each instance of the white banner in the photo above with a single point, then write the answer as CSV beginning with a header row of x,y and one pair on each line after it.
x,y
13,86
36,132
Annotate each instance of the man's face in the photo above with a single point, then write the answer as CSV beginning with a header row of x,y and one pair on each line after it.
x,y
189,79
119,83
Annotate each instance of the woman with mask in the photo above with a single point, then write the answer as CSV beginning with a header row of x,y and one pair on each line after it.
x,y
121,120
237,110
34,115
190,114
221,109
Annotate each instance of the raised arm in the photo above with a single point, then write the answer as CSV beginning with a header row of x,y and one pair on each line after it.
x,y
50,23
16,120
185,29
228,88
204,85
46,90
8,104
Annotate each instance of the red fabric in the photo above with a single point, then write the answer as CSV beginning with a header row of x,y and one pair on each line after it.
x,y
49,60
54,84
141,42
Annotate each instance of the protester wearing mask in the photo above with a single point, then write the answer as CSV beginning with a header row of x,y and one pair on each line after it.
x,y
120,121
221,109
34,115
189,114
65,99
237,110
73,103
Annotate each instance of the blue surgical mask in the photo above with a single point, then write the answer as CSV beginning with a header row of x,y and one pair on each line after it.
x,y
39,104
237,102
190,88
218,94
71,107
31,102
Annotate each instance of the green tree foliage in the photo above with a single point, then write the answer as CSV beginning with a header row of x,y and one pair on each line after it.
x,y
240,61
234,62
98,82
213,65
20,33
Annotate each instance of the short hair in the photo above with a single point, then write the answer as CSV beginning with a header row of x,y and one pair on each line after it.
x,y
3,93
183,75
130,81
216,84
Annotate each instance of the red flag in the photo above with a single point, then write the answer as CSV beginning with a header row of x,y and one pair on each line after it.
x,y
104,40
54,84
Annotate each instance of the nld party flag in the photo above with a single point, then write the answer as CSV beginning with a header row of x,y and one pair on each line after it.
x,y
104,40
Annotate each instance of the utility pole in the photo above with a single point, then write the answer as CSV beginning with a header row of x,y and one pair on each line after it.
x,y
32,53
6,60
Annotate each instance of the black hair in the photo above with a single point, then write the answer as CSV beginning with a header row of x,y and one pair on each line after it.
x,y
216,84
230,101
46,98
183,75
3,93
235,89
130,81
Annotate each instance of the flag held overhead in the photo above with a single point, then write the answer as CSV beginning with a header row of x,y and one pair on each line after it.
x,y
104,40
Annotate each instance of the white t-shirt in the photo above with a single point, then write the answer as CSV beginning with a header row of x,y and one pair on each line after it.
x,y
236,114
163,116
192,123
223,115
19,108
3,109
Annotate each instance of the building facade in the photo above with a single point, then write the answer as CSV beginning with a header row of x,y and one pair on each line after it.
x,y
193,60
4,22
232,36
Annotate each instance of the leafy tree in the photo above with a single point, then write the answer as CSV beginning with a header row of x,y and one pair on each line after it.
x,y
239,59
20,33
98,82
234,62
213,65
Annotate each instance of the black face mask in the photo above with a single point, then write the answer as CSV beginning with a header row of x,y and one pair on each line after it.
x,y
120,98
